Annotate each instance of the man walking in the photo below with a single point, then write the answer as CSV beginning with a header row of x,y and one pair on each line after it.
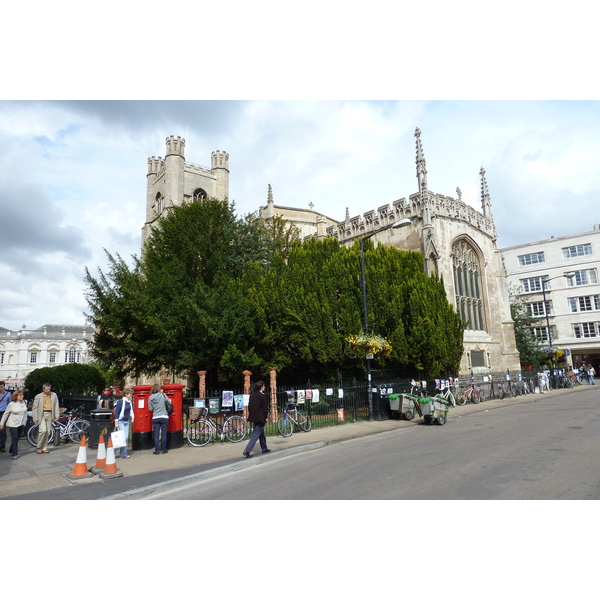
x,y
45,410
258,411
5,398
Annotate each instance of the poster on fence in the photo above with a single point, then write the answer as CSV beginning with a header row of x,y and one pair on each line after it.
x,y
227,399
315,396
238,402
213,406
300,395
246,399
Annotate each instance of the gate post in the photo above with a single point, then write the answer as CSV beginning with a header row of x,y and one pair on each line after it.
x,y
273,385
201,384
246,375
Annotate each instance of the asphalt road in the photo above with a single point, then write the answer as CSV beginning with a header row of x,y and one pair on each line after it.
x,y
532,451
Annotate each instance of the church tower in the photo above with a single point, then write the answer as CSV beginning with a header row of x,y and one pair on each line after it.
x,y
171,181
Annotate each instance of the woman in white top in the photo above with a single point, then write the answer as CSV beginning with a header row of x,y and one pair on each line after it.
x,y
15,416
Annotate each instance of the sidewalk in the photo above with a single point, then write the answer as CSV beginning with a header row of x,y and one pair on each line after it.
x,y
39,472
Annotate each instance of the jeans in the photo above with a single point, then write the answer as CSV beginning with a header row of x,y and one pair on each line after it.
x,y
257,435
160,430
124,427
14,441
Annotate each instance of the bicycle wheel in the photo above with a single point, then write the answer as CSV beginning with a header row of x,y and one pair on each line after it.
x,y
304,421
200,433
285,426
462,399
452,399
475,398
77,429
235,429
33,433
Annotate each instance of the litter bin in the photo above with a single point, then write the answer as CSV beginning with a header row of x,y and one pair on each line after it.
x,y
99,425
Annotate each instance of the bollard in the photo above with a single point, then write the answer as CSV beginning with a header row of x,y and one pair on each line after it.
x,y
56,434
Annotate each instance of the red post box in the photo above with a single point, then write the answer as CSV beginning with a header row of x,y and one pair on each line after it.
x,y
174,391
141,438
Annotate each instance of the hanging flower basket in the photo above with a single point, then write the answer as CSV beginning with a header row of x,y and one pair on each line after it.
x,y
375,345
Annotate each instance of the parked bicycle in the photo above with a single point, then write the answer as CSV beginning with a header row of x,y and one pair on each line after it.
x,y
203,429
447,394
70,425
473,393
292,416
504,389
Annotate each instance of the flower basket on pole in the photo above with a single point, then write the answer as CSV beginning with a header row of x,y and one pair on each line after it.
x,y
369,346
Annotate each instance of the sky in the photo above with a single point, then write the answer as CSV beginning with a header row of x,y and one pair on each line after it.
x,y
325,117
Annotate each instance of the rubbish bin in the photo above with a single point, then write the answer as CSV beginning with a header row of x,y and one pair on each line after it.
x,y
99,425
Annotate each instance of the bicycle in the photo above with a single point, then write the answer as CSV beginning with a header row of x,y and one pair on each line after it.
x,y
203,429
504,391
473,393
447,394
70,425
292,416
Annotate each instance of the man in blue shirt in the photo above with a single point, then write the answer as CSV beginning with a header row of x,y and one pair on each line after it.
x,y
5,398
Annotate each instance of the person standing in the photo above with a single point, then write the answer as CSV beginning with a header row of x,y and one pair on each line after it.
x,y
591,372
157,403
258,411
14,417
45,410
5,398
123,417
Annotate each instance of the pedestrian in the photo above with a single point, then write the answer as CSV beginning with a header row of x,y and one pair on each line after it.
x,y
5,398
586,373
14,417
157,403
258,411
45,410
590,373
123,417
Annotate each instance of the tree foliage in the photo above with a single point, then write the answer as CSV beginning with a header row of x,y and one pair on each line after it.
x,y
527,344
222,294
72,378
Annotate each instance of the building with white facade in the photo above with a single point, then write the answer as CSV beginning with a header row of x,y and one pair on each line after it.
x,y
48,346
564,272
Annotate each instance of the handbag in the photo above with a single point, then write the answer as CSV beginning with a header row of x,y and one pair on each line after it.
x,y
170,408
118,438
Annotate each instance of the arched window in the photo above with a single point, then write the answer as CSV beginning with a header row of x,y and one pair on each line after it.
x,y
72,355
467,285
159,204
199,194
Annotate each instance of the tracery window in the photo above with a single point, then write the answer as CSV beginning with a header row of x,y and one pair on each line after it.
x,y
199,194
467,285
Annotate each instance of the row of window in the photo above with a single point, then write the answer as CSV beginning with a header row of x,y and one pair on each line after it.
x,y
578,304
580,330
570,252
71,356
583,277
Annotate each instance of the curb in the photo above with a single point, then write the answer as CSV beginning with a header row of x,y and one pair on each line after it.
x,y
155,490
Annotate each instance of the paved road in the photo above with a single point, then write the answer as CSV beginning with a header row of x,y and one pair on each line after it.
x,y
536,450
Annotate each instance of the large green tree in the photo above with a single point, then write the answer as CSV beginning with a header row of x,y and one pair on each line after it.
x,y
524,323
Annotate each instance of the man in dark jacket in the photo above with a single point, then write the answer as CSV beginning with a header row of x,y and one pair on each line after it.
x,y
258,411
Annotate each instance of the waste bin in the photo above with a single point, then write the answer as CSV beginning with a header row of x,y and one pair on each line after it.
x,y
99,425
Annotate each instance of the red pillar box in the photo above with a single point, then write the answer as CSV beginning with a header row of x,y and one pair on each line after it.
x,y
141,438
174,392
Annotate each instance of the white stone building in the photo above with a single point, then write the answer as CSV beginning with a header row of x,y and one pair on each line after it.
x,y
572,303
48,346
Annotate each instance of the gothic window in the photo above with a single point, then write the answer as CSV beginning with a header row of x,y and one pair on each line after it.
x,y
199,194
159,204
467,285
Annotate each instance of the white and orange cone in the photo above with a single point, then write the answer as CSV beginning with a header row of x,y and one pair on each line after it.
x,y
101,458
110,469
80,471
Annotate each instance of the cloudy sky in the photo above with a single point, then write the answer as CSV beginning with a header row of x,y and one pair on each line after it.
x,y
73,158
73,173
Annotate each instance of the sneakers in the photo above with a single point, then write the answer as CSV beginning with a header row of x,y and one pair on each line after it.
x,y
246,454
266,451
155,452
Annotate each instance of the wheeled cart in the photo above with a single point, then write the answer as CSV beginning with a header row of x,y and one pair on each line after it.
x,y
433,410
402,406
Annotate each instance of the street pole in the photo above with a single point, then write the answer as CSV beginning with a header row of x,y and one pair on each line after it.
x,y
363,280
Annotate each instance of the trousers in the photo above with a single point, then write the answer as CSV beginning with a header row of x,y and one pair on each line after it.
x,y
258,435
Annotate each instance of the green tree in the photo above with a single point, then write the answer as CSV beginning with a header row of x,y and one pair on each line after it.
x,y
72,378
527,344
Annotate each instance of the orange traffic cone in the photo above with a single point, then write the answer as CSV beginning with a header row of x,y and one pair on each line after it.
x,y
110,469
101,458
80,471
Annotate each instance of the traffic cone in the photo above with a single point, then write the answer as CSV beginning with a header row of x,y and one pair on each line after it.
x,y
110,469
80,471
101,458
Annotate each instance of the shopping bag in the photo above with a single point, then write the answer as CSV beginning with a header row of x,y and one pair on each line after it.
x,y
118,438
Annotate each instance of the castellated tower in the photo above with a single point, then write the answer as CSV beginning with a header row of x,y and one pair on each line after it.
x,y
171,181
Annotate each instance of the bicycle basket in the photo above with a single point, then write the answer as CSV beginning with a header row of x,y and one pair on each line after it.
x,y
197,413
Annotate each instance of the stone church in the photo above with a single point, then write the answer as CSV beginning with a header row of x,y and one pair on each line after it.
x,y
456,241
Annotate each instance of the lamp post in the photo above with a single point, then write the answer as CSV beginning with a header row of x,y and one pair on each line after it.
x,y
363,281
544,282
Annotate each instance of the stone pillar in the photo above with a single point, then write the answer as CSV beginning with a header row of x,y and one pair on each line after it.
x,y
246,375
273,385
201,384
